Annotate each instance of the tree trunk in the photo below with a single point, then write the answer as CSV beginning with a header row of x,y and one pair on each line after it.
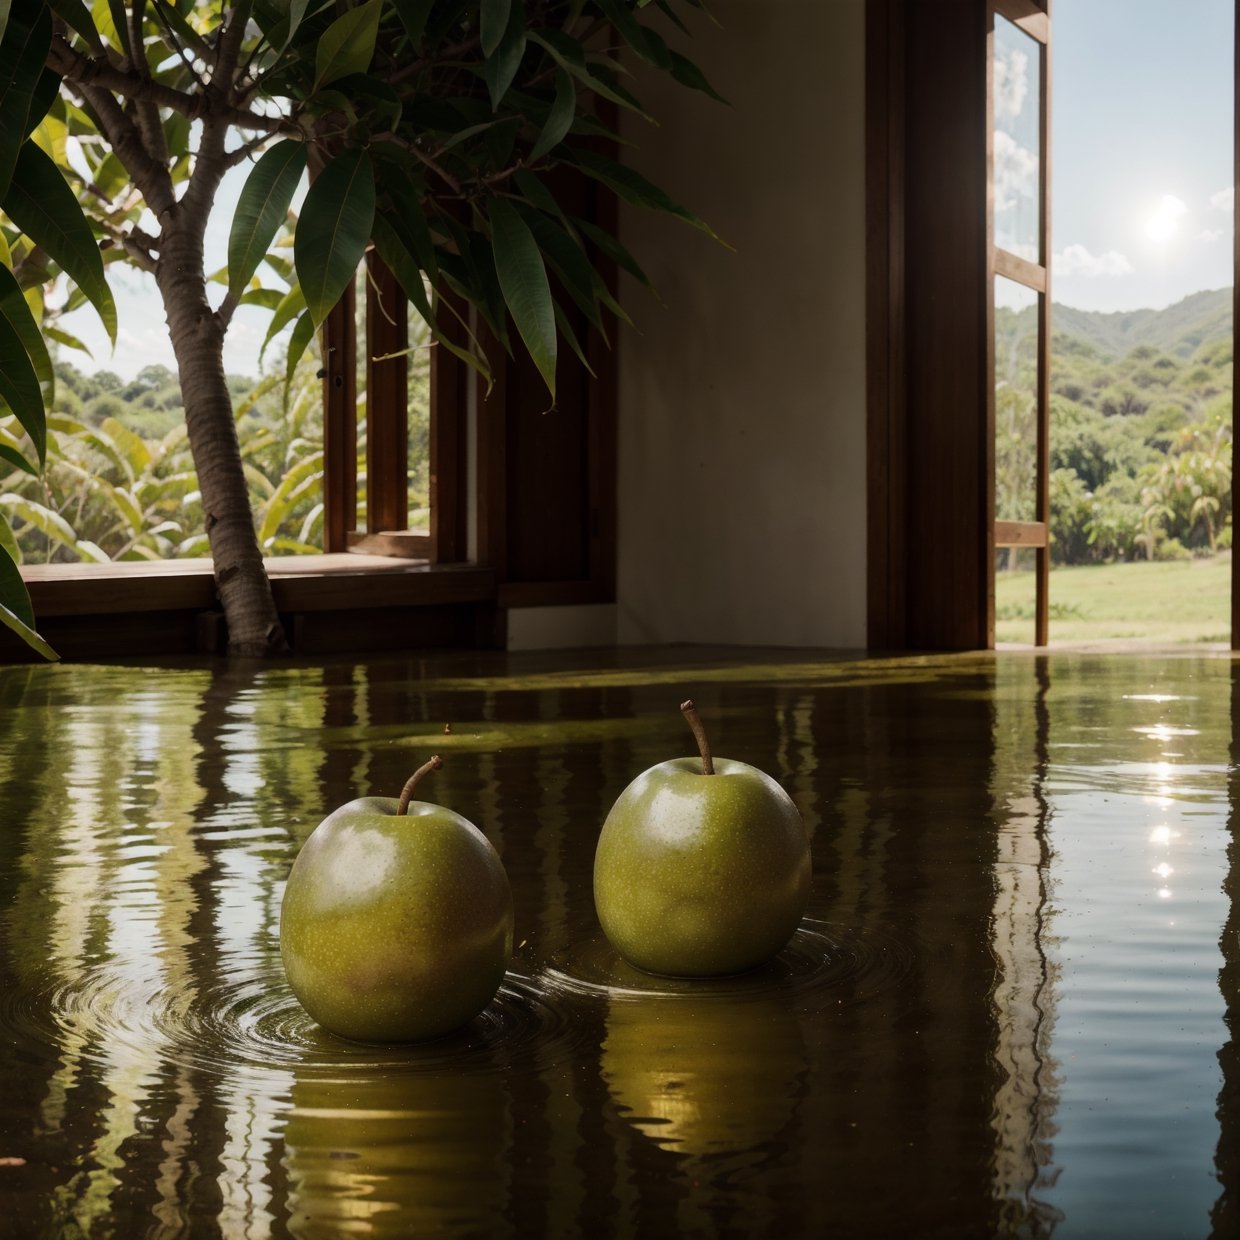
x,y
198,344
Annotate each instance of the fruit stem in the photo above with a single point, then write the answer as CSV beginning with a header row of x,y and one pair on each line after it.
x,y
406,793
699,734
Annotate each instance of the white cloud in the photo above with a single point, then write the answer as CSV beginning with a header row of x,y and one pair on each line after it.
x,y
1016,172
1076,260
1224,200
1011,81
1211,234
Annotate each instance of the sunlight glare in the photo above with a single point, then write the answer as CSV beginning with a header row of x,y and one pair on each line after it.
x,y
1164,222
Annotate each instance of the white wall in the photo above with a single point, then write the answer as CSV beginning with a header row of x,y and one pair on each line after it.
x,y
742,401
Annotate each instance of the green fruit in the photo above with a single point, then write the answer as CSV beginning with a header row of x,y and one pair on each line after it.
x,y
701,869
396,923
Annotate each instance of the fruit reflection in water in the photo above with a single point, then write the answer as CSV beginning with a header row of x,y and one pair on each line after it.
x,y
397,1154
708,1075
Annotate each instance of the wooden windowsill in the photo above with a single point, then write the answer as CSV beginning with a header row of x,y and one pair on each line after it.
x,y
300,584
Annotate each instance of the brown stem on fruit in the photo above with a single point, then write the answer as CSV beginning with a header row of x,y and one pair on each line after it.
x,y
406,793
699,734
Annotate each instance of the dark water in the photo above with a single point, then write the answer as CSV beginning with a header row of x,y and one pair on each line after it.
x,y
1006,1014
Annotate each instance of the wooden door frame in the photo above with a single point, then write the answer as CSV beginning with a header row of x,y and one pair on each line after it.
x,y
926,366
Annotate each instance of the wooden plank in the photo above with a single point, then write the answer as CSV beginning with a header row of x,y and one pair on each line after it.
x,y
387,399
1021,269
339,343
1029,15
408,544
885,479
1021,534
449,429
311,582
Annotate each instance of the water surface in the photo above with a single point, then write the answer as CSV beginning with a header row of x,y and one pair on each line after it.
x,y
1007,1012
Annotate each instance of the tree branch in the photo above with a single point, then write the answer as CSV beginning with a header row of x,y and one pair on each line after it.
x,y
442,173
82,70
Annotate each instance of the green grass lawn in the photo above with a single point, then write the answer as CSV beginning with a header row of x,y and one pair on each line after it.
x,y
1180,601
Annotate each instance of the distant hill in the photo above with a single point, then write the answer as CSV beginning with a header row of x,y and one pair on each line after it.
x,y
1179,329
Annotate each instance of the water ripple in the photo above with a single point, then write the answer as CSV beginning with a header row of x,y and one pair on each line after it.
x,y
825,964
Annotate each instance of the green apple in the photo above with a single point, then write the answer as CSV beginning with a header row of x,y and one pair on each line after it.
x,y
396,923
701,869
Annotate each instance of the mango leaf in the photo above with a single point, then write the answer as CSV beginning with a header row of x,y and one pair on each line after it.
x,y
15,458
19,388
14,307
136,450
299,342
27,40
333,230
268,298
70,341
43,206
633,187
559,119
644,42
574,269
5,5
395,253
16,614
566,330
492,23
568,54
501,68
523,280
348,44
292,304
688,74
413,15
261,208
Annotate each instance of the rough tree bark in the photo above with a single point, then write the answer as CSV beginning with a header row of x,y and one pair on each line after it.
x,y
175,257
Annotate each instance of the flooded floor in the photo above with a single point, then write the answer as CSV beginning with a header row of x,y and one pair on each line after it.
x,y
1008,1012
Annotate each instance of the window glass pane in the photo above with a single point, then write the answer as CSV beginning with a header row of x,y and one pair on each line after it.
x,y
362,358
1017,141
1016,401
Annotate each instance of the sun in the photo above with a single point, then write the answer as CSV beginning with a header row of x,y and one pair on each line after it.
x,y
1164,221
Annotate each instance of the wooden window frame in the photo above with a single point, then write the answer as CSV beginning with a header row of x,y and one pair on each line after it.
x,y
1033,19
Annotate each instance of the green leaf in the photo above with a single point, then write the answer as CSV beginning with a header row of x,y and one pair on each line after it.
x,y
16,613
413,15
523,280
644,42
492,23
299,342
613,249
77,16
15,458
568,54
19,388
292,304
633,187
14,307
559,119
27,40
408,216
70,341
394,251
569,261
5,5
261,208
120,23
333,230
348,44
501,68
43,206
688,74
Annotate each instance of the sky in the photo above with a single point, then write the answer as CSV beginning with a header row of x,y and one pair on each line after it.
x,y
1142,164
